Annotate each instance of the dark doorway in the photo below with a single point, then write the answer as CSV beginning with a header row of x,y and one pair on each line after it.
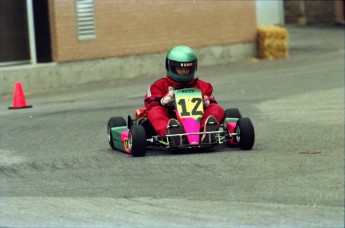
x,y
42,31
14,36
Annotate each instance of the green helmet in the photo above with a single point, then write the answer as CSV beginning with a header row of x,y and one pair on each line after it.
x,y
181,57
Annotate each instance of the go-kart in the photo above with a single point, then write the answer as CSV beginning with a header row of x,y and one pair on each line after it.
x,y
137,135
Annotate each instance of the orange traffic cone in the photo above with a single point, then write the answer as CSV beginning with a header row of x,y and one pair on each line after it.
x,y
19,98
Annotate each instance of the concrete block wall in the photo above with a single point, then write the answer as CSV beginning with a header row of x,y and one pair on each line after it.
x,y
43,78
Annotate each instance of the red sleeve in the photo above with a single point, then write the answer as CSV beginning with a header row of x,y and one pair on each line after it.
x,y
154,94
206,90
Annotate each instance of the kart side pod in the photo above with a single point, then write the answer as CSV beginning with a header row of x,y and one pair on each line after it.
x,y
130,138
120,138
117,132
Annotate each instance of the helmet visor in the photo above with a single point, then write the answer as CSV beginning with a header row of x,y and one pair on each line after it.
x,y
182,68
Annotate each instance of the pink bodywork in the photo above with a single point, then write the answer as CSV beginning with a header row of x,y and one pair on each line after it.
x,y
231,128
190,125
124,140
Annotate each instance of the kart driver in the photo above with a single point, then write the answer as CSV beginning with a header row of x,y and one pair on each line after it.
x,y
181,65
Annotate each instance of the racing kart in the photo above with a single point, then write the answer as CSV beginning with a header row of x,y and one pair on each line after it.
x,y
137,135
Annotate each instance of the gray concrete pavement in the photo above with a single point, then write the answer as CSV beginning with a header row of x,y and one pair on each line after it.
x,y
57,169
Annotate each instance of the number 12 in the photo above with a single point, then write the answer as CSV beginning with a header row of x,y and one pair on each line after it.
x,y
195,100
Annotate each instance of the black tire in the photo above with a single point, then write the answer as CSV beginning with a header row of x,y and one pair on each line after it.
x,y
233,113
247,135
114,122
137,141
150,131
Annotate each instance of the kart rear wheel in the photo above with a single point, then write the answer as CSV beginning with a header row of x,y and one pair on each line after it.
x,y
114,122
233,113
137,141
246,136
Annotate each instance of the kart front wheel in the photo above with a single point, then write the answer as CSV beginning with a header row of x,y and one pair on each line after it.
x,y
114,122
246,134
137,141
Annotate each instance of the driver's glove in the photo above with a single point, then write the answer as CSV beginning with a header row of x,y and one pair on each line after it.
x,y
206,100
168,99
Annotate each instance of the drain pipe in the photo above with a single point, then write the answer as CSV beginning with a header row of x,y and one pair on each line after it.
x,y
31,28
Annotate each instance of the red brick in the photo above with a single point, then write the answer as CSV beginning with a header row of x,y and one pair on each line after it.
x,y
147,26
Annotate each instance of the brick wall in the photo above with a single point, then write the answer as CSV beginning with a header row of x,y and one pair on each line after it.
x,y
316,11
132,27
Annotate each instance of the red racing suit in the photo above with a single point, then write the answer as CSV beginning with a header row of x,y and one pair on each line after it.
x,y
159,115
